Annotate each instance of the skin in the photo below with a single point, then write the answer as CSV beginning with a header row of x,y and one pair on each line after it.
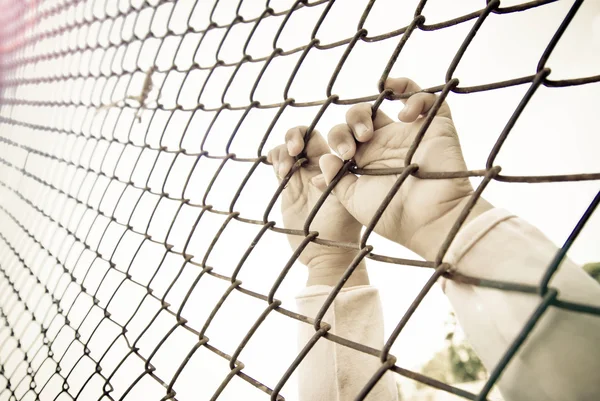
x,y
333,221
422,211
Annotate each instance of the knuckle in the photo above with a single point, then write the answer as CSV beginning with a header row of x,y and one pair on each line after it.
x,y
289,134
428,96
398,85
316,139
416,100
300,129
357,111
314,133
337,132
365,108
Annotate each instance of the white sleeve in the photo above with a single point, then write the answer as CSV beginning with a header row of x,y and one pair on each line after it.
x,y
333,372
560,360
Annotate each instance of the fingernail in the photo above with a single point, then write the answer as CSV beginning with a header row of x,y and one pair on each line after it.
x,y
342,150
361,129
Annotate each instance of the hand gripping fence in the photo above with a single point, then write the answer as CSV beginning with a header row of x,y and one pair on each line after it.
x,y
46,216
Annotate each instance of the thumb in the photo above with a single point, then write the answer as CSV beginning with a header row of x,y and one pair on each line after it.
x,y
344,189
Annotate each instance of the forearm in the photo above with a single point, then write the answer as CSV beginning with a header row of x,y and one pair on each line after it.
x,y
560,359
332,371
335,372
427,241
330,274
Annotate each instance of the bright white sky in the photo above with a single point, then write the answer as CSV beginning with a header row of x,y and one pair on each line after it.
x,y
556,134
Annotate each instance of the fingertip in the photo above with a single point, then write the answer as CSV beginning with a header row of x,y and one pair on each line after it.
x,y
398,85
401,85
408,114
402,115
330,165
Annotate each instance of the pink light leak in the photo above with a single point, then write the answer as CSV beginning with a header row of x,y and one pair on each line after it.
x,y
17,17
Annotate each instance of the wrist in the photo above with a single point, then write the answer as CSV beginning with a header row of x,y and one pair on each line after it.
x,y
428,242
331,274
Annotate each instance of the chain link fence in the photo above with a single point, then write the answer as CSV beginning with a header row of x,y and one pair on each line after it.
x,y
82,96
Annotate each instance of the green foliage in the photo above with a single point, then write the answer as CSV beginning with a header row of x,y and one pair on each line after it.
x,y
593,270
465,365
457,363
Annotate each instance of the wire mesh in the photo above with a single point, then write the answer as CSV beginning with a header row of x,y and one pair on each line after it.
x,y
57,184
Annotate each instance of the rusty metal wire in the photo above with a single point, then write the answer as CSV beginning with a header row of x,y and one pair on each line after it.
x,y
47,217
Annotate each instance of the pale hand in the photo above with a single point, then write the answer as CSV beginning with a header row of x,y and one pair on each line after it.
x,y
333,222
423,210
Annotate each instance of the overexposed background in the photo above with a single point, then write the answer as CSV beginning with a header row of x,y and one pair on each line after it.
x,y
556,134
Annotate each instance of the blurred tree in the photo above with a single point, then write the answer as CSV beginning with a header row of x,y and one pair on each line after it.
x,y
593,270
458,362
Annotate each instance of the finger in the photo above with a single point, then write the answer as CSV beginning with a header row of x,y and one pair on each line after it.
x,y
285,162
344,189
315,148
282,164
273,157
319,182
405,85
417,105
294,140
341,139
281,161
360,119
